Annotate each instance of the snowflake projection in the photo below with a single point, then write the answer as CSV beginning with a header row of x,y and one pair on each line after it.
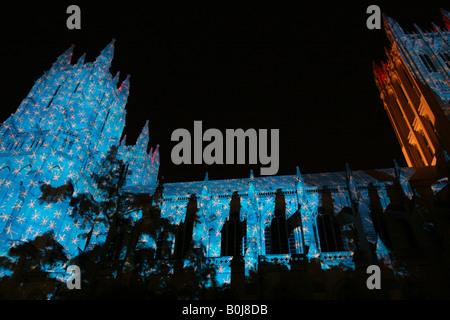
x,y
58,137
302,195
55,145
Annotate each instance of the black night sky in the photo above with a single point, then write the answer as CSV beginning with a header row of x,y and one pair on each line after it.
x,y
303,69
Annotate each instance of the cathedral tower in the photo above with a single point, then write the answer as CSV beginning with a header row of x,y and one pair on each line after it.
x,y
58,137
414,84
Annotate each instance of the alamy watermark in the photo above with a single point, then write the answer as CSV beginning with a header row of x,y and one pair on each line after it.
x,y
74,280
374,20
374,280
215,153
74,20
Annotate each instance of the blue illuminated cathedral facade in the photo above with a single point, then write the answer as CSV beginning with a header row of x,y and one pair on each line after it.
x,y
58,137
414,87
73,192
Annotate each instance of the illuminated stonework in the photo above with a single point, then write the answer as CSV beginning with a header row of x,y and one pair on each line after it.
x,y
71,188
58,136
323,217
414,85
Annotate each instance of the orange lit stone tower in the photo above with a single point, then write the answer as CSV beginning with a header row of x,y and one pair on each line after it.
x,y
414,85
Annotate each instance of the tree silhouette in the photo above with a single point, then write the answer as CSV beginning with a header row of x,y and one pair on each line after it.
x,y
104,206
33,264
55,194
119,265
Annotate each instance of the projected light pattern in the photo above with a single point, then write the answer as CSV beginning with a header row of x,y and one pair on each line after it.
x,y
58,137
63,134
302,196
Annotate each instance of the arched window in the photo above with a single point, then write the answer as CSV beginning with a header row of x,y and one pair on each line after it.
x,y
233,230
428,63
445,56
279,235
268,240
289,245
232,236
329,231
183,234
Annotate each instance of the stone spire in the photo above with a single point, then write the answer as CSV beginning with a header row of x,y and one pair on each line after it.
x,y
105,58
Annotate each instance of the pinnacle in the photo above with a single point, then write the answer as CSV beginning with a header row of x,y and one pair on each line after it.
x,y
66,57
106,55
125,85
